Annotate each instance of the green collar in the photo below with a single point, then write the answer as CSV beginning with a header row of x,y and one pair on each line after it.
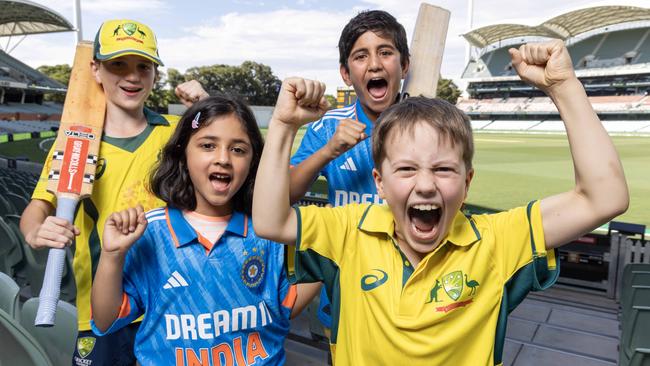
x,y
154,118
131,144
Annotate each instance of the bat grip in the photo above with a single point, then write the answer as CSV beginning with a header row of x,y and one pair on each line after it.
x,y
51,289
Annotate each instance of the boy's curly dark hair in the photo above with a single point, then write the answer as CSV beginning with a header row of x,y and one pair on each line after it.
x,y
379,22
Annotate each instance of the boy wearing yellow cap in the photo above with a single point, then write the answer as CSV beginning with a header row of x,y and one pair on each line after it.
x,y
125,64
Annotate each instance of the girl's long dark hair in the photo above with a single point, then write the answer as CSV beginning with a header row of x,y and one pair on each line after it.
x,y
170,180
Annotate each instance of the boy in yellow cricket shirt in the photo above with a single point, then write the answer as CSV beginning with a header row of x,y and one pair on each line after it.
x,y
125,64
415,281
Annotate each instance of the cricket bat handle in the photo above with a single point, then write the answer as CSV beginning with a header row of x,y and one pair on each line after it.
x,y
49,296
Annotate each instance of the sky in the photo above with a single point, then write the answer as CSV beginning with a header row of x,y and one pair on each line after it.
x,y
293,37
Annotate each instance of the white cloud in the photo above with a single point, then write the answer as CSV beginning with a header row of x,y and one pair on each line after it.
x,y
45,50
292,42
106,6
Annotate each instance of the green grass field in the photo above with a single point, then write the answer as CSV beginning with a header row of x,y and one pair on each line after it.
x,y
511,169
27,149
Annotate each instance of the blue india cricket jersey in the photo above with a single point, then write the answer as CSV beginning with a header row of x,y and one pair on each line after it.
x,y
229,305
349,177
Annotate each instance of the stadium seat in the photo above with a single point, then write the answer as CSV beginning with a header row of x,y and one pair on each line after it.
x,y
9,291
18,188
637,295
18,200
58,341
636,278
17,346
636,332
6,207
635,274
640,357
11,255
35,262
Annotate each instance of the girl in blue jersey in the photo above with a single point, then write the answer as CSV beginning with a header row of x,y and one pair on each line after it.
x,y
212,292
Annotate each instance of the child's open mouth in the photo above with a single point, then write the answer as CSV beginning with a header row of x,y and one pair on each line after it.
x,y
220,181
377,88
424,220
129,90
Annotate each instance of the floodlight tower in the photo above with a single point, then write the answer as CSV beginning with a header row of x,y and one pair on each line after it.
x,y
470,24
76,6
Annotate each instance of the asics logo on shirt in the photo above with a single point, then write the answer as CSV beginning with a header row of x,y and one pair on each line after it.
x,y
348,165
372,281
175,280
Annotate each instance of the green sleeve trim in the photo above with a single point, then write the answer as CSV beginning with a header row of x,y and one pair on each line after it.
x,y
310,266
543,276
529,210
535,276
94,242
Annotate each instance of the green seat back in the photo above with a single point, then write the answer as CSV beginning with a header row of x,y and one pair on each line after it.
x,y
636,331
10,253
17,346
59,340
9,291
641,357
19,201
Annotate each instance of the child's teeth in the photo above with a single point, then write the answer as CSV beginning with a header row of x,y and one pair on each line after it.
x,y
425,207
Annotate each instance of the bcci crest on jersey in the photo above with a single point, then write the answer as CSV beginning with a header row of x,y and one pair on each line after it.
x,y
253,271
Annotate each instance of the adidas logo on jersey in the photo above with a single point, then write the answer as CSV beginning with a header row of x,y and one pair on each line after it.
x,y
175,280
349,165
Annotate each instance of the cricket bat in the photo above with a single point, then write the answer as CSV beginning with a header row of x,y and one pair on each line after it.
x,y
427,47
72,169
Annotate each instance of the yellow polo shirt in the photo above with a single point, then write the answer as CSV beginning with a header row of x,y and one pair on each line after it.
x,y
450,310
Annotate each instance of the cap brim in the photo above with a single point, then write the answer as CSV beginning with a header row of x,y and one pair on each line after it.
x,y
111,56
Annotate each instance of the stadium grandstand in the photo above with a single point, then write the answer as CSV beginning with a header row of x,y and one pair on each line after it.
x,y
21,87
610,49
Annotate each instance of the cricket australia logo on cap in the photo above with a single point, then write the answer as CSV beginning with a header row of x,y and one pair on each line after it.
x,y
129,29
85,346
253,271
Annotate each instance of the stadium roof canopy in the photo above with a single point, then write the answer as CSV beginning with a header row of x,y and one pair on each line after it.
x,y
563,26
22,17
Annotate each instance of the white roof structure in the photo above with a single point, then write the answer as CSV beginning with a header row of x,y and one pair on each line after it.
x,y
23,17
562,26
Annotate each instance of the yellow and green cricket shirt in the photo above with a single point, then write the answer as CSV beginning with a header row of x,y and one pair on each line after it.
x,y
449,310
121,182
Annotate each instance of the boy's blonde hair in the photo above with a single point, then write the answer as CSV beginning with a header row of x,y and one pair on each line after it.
x,y
450,122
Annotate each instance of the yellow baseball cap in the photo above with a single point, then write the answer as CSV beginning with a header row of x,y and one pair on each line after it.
x,y
121,37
